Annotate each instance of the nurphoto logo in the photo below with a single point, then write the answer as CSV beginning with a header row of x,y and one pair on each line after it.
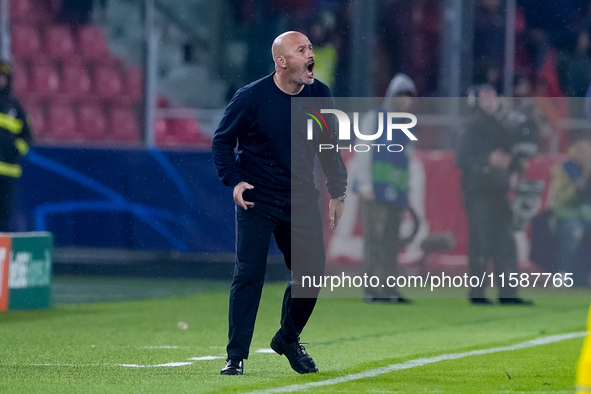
x,y
393,124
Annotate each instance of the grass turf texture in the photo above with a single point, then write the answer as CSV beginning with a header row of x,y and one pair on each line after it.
x,y
88,341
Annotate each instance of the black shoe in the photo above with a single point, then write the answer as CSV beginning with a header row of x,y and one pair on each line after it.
x,y
300,361
234,366
515,301
401,300
481,301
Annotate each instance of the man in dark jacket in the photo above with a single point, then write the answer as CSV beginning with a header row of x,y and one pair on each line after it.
x,y
15,138
271,174
486,164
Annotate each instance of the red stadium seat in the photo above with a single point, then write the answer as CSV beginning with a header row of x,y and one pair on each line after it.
x,y
133,84
36,114
59,42
61,122
92,43
20,82
123,124
75,80
25,43
188,132
107,82
91,122
44,79
163,134
21,10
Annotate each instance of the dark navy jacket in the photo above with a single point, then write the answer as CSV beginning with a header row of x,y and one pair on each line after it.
x,y
258,123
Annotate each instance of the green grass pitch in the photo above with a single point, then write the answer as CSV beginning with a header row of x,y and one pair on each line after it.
x,y
79,348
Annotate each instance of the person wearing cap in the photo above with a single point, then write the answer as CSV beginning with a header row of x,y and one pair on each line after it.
x,y
15,139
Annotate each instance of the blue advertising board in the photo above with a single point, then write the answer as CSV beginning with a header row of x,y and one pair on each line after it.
x,y
128,198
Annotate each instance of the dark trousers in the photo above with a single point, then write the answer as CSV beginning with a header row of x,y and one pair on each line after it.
x,y
298,232
381,224
7,186
490,237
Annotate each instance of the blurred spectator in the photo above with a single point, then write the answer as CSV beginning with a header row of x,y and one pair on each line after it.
x,y
324,51
15,138
572,210
551,101
382,181
525,104
573,65
486,165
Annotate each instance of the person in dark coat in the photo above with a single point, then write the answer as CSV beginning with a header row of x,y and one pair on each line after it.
x,y
487,167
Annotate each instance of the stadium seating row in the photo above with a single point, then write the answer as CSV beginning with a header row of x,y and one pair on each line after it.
x,y
180,132
62,121
75,90
58,42
30,11
45,78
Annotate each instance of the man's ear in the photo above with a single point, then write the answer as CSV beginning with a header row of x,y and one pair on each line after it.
x,y
280,61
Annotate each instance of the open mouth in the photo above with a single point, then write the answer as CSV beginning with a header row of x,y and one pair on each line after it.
x,y
310,69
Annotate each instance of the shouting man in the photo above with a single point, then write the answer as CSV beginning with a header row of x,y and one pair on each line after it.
x,y
266,190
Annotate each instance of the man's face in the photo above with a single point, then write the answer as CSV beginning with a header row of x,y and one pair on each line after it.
x,y
488,101
299,59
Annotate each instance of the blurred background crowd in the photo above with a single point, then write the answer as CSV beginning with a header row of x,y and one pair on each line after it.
x,y
77,62
131,75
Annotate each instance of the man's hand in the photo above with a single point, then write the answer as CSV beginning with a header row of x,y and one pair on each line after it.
x,y
238,190
499,159
335,210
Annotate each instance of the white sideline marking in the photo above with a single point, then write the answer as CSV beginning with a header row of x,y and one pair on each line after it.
x,y
52,365
205,358
173,364
422,361
265,351
177,364
161,347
